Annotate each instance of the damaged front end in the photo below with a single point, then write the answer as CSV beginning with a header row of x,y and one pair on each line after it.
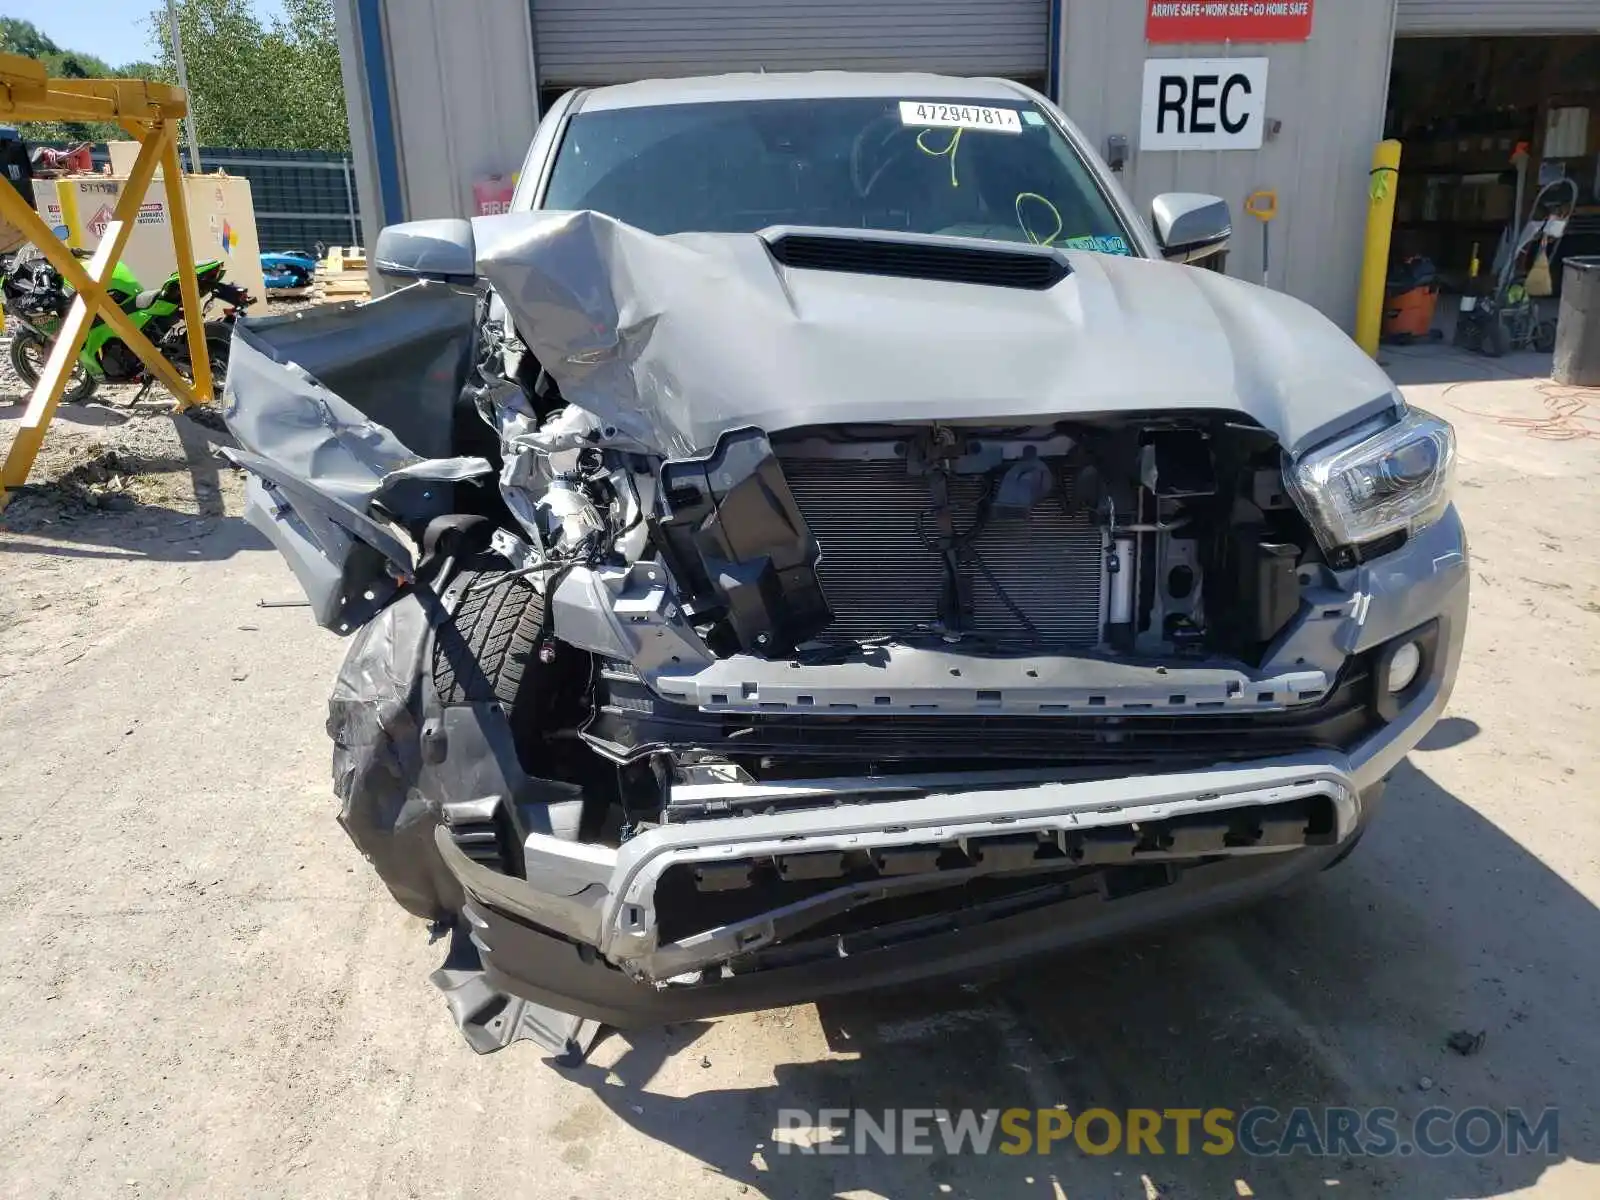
x,y
799,649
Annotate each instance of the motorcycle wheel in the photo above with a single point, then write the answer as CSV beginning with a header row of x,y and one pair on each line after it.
x,y
29,353
219,340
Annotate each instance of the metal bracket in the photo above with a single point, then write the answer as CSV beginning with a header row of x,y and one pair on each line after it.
x,y
491,1020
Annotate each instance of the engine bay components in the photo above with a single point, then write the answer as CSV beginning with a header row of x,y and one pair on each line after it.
x,y
571,515
736,541
1128,538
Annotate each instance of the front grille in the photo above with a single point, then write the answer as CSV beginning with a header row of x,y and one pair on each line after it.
x,y
881,577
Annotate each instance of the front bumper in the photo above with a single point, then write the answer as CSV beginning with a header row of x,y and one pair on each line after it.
x,y
586,931
522,960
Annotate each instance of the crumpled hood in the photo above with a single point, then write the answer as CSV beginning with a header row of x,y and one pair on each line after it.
x,y
674,340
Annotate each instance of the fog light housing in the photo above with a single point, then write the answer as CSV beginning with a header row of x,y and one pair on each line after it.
x,y
1401,668
1404,664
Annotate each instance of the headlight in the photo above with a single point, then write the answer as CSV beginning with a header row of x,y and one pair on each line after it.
x,y
1372,483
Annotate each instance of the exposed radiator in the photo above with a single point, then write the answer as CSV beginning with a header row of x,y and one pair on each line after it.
x,y
881,578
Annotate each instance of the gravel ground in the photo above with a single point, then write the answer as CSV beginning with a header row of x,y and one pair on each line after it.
x,y
114,455
210,994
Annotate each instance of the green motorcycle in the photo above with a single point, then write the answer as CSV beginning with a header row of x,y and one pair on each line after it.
x,y
37,298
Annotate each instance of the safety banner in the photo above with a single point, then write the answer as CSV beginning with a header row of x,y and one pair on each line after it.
x,y
1228,21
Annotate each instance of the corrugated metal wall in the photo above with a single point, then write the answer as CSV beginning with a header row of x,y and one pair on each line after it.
x,y
461,91
1328,92
1447,17
465,101
440,94
614,41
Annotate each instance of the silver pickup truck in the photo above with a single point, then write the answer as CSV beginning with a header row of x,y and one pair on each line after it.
x,y
824,538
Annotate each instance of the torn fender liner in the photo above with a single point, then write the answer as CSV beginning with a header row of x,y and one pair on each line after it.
x,y
673,341
402,764
375,720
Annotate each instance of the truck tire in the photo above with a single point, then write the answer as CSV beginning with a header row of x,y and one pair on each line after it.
x,y
1544,337
484,652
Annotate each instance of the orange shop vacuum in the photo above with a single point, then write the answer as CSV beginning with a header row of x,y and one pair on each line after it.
x,y
1411,294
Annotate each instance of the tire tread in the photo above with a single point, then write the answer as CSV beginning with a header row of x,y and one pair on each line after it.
x,y
483,652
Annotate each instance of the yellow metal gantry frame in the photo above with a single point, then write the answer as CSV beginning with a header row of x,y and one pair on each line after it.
x,y
149,112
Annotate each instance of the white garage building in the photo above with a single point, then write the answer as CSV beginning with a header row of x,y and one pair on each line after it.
x,y
444,95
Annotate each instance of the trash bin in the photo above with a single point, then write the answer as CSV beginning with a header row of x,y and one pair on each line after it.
x,y
1577,358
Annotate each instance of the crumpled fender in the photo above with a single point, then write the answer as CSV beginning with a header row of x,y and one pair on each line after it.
x,y
310,399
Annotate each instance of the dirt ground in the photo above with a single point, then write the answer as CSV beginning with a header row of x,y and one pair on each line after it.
x,y
208,993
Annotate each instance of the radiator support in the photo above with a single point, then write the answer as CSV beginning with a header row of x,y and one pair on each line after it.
x,y
1034,580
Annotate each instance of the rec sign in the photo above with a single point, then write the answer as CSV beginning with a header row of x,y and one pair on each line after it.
x,y
1203,104
1228,21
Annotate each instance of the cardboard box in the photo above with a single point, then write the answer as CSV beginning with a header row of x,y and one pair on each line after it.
x,y
222,225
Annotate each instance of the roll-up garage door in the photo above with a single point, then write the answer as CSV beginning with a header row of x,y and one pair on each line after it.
x,y
613,41
1444,18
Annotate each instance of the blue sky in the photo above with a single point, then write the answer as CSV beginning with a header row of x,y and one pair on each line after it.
x,y
114,30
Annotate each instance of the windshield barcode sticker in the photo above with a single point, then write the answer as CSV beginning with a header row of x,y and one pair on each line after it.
x,y
960,116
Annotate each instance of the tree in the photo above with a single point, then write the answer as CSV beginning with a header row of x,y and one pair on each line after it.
x,y
274,87
24,38
148,71
314,103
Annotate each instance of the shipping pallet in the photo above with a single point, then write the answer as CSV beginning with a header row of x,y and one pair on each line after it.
x,y
341,276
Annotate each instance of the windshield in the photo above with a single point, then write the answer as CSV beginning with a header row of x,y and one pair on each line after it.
x,y
996,169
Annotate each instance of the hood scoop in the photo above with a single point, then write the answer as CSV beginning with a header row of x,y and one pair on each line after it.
x,y
913,256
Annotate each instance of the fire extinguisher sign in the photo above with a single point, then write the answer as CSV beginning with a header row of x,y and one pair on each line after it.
x,y
1173,21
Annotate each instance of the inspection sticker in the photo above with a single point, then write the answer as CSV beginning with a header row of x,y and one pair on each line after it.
x,y
1100,243
959,116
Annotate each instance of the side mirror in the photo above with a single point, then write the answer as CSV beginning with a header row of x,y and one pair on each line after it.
x,y
1190,225
439,249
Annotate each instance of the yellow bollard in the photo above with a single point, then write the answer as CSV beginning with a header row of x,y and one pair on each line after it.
x,y
1382,183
